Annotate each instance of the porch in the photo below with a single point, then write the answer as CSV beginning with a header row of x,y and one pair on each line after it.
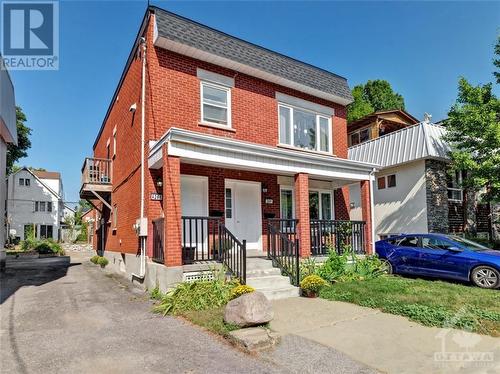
x,y
222,197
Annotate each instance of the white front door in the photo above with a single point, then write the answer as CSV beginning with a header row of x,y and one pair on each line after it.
x,y
243,211
194,203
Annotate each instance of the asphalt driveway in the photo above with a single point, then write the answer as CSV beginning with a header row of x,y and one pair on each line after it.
x,y
65,315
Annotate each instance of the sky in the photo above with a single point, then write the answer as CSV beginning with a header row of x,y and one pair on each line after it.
x,y
420,47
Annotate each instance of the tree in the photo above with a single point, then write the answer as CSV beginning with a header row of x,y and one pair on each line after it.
x,y
496,60
374,96
83,206
16,152
473,130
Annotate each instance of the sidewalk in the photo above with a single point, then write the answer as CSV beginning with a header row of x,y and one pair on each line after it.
x,y
385,342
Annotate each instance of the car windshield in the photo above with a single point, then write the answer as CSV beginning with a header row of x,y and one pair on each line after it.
x,y
473,246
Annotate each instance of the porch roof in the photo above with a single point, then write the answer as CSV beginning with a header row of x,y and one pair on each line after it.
x,y
203,149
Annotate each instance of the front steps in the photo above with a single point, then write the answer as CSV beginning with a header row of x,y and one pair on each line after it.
x,y
267,279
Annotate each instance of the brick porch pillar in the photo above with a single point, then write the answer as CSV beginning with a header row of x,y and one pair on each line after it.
x,y
302,213
172,209
366,214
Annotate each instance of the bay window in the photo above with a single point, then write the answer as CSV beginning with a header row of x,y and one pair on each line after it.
x,y
304,129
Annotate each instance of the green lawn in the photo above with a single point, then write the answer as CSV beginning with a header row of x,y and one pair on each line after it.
x,y
431,303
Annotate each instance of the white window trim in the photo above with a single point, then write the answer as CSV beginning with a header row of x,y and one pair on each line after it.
x,y
288,188
320,191
228,105
457,189
114,141
318,136
386,179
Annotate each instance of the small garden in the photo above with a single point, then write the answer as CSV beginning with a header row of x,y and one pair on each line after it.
x,y
364,281
44,247
202,302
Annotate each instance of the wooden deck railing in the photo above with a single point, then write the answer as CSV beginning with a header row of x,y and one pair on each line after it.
x,y
96,171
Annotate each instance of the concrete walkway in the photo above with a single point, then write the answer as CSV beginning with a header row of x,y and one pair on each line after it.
x,y
386,342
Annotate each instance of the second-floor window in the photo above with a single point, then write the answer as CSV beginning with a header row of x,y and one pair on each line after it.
x,y
42,206
304,129
24,182
455,192
360,136
215,104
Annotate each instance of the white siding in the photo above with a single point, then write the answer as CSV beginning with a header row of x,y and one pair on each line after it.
x,y
401,209
21,204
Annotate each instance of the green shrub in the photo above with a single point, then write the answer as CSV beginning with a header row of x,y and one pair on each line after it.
x,y
29,244
155,293
313,283
240,290
199,295
334,267
94,259
82,237
102,261
308,267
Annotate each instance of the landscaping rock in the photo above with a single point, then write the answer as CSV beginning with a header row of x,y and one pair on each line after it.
x,y
250,309
254,338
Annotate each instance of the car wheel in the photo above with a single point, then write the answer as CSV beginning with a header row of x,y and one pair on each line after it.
x,y
485,277
387,267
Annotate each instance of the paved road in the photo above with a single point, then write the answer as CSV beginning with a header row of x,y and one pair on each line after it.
x,y
59,316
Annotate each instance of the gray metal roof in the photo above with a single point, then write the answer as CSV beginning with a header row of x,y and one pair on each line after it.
x,y
193,34
421,141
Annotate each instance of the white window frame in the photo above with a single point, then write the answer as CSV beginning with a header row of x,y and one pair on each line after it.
x,y
228,125
454,189
114,142
318,136
332,205
288,188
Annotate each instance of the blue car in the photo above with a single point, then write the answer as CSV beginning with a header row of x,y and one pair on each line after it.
x,y
441,256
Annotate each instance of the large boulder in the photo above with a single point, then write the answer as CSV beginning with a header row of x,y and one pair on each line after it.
x,y
250,309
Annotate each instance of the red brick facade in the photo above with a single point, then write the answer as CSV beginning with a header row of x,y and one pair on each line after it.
x,y
173,100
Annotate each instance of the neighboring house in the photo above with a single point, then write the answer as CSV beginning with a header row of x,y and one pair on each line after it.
x,y
414,192
68,213
235,137
35,203
89,218
377,124
8,135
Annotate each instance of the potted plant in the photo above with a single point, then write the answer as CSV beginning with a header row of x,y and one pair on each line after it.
x,y
311,285
102,261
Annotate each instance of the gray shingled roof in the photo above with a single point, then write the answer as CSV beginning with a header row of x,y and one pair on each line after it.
x,y
193,34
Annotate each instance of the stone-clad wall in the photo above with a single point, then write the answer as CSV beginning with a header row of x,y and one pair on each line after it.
x,y
437,196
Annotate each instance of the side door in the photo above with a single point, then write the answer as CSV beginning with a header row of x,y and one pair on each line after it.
x,y
437,260
405,254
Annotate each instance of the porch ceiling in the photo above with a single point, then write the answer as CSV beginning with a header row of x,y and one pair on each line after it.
x,y
201,149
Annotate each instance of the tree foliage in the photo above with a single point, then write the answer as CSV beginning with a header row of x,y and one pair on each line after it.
x,y
496,60
375,95
473,126
16,152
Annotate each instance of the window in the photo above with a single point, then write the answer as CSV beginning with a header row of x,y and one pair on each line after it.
x,y
107,150
286,203
320,205
215,104
229,203
114,142
455,192
304,129
42,206
391,180
36,206
409,241
21,181
27,182
46,231
435,243
381,183
360,136
49,206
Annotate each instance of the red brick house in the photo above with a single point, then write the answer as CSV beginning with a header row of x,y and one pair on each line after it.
x,y
243,149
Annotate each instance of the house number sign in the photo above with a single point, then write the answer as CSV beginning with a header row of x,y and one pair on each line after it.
x,y
157,196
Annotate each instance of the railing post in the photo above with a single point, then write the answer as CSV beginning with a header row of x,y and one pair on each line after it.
x,y
297,262
244,262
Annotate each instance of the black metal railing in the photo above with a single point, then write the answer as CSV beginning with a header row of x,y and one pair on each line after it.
x,y
158,232
337,235
233,253
283,247
200,239
206,239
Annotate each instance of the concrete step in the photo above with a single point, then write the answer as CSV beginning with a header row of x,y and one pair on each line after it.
x,y
254,273
271,281
280,293
259,265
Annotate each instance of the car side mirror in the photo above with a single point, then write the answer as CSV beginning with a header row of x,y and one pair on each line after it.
x,y
454,249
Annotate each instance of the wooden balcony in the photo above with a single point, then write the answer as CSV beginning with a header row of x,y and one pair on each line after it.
x,y
96,179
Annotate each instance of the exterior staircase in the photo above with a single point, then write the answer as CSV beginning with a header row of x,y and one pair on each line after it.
x,y
267,279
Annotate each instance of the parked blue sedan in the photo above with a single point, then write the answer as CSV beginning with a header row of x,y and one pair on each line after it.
x,y
441,256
